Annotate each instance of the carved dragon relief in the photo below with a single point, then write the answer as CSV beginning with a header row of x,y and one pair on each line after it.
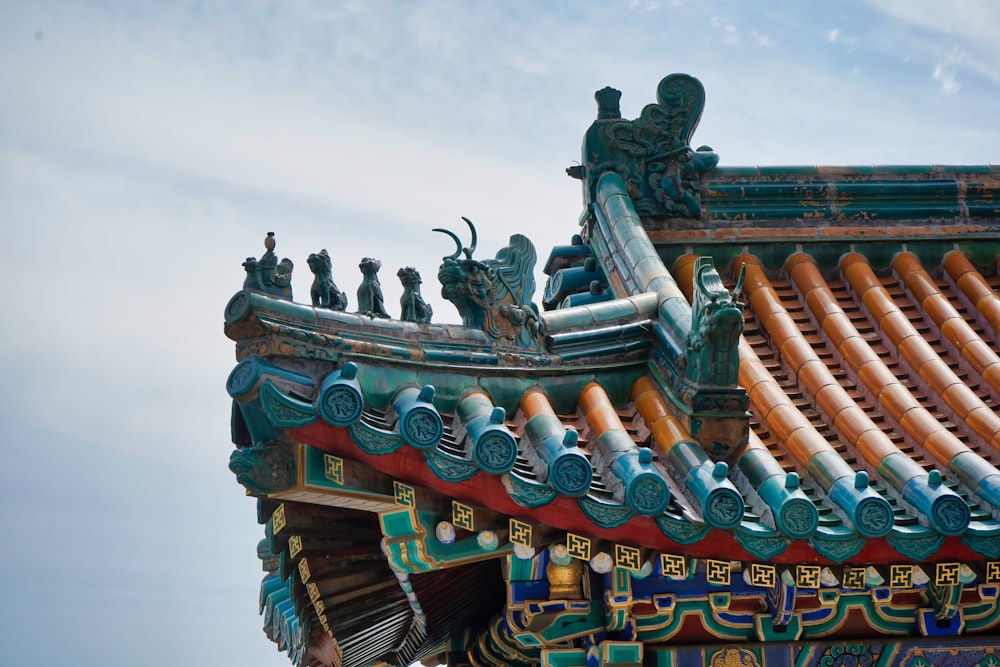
x,y
653,153
494,294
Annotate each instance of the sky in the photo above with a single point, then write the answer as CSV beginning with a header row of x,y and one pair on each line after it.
x,y
146,148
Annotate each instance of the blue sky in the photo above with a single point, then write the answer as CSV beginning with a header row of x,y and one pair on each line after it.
x,y
146,148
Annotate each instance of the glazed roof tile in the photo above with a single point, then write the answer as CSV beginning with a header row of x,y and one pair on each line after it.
x,y
847,412
834,391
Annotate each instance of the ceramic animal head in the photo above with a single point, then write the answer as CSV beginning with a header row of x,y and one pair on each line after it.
x,y
409,276
264,468
370,266
320,263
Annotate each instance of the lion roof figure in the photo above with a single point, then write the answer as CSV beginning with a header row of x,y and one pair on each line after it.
x,y
324,291
414,308
370,300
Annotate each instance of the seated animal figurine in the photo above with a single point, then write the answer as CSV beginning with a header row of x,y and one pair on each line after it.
x,y
324,291
282,280
370,293
252,281
414,308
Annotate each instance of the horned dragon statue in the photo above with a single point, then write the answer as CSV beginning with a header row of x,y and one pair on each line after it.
x,y
494,294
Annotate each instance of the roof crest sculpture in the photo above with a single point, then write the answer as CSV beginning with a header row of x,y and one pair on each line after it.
x,y
653,153
651,471
494,294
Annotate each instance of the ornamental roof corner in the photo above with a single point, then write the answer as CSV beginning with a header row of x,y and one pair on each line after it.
x,y
755,405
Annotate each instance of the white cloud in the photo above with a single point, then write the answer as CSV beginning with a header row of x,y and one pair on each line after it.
x,y
976,21
944,71
730,33
837,36
945,76
975,24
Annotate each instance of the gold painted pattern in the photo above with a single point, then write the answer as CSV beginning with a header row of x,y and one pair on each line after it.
x,y
901,576
763,575
854,577
733,656
304,573
674,566
993,572
578,546
313,590
463,516
294,545
718,572
627,557
278,519
622,581
948,574
333,468
807,576
404,494
520,532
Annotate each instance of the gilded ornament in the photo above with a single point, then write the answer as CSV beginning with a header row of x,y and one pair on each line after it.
x,y
564,580
733,656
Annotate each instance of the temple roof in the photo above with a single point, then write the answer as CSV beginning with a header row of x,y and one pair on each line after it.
x,y
834,368
769,368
